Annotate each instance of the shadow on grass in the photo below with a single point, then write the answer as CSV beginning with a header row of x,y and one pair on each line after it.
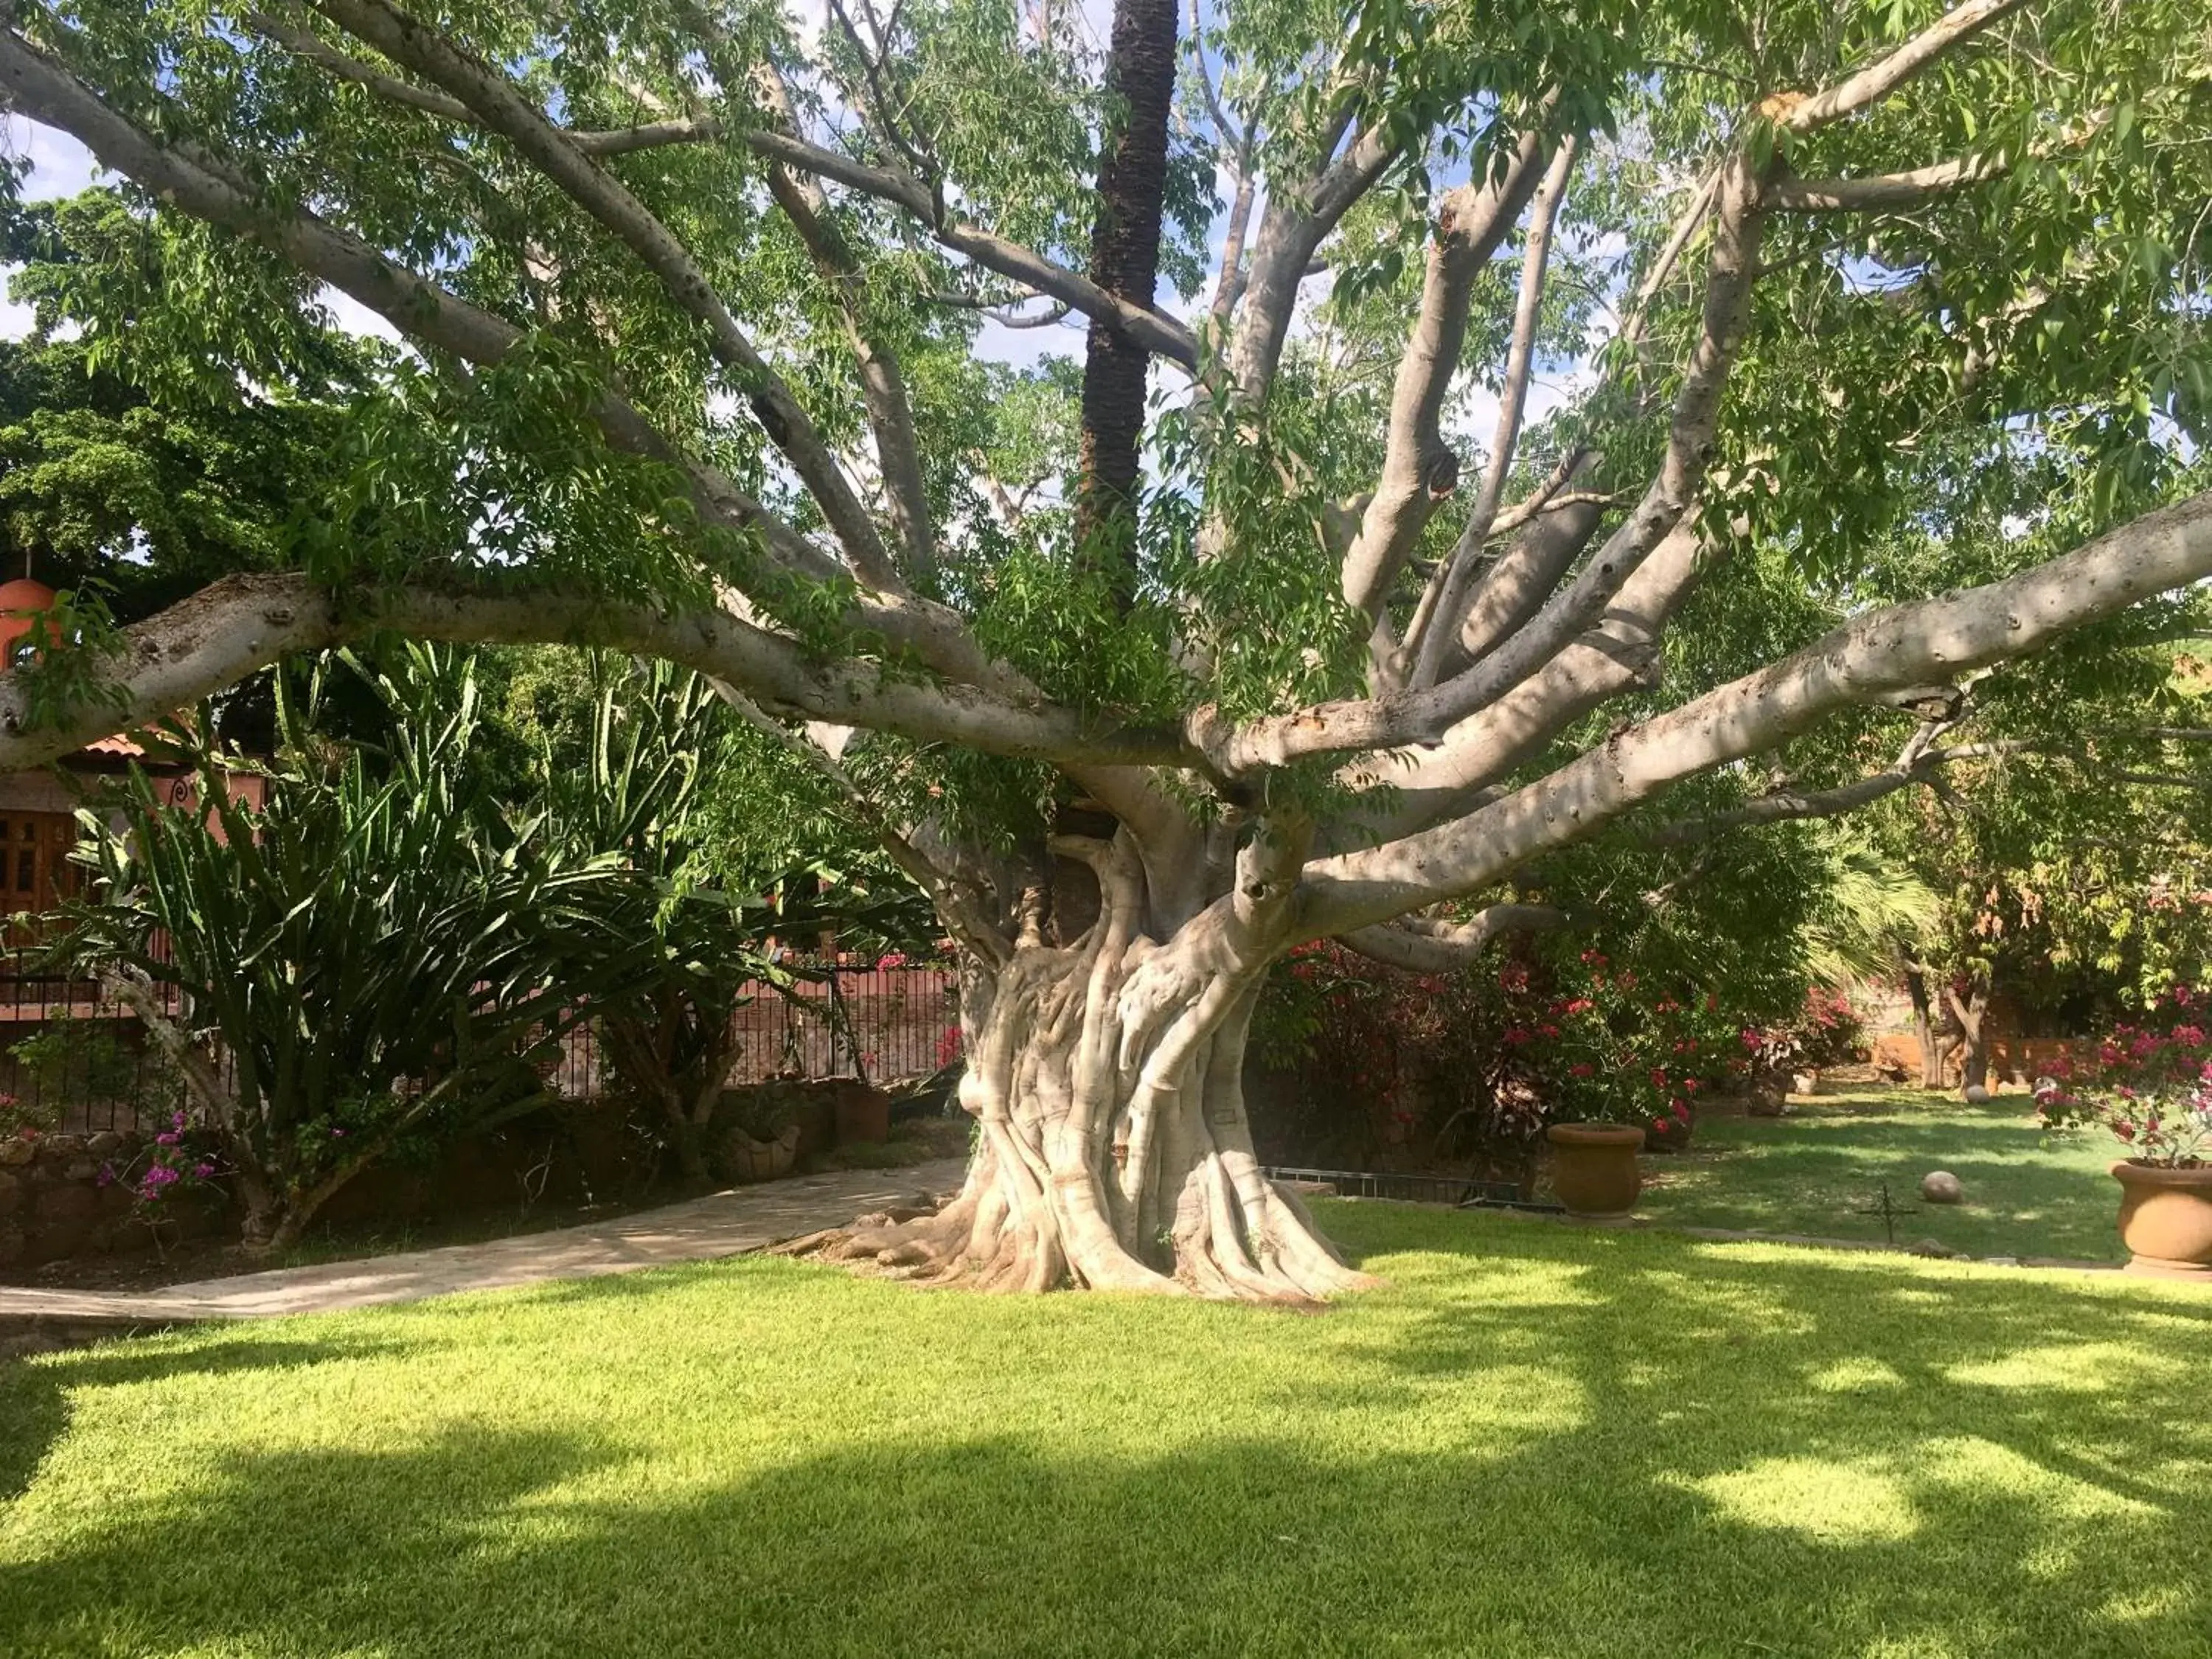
x,y
1629,1445
34,1392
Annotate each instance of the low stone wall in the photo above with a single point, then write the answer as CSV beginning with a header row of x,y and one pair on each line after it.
x,y
53,1203
2017,1061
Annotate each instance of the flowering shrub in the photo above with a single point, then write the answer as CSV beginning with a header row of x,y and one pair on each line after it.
x,y
1482,1060
1624,1057
1825,1031
175,1161
2150,1085
19,1117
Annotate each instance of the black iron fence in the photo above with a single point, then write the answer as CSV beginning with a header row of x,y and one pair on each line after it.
x,y
73,1058
1464,1192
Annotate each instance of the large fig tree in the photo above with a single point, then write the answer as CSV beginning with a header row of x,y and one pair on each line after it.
x,y
1497,425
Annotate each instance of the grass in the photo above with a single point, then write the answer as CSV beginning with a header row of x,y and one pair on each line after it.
x,y
1817,1171
1537,1441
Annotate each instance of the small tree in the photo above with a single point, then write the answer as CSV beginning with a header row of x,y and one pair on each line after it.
x,y
375,954
640,797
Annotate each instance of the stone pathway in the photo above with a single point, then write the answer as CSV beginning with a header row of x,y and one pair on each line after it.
x,y
699,1230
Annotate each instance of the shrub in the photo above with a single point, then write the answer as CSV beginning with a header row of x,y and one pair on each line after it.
x,y
2150,1085
376,954
1825,1031
1477,1064
28,1117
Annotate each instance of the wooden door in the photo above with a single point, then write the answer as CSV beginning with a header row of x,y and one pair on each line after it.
x,y
35,872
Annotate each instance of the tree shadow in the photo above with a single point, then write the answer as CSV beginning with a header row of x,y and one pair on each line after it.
x,y
34,1390
1538,1440
484,1541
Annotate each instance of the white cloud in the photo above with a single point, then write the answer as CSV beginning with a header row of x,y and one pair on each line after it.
x,y
352,316
16,318
59,165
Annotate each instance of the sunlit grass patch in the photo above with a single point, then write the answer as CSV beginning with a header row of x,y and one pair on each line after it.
x,y
1821,1171
1536,1440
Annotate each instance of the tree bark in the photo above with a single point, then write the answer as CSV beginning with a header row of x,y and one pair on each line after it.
x,y
1124,259
1924,1029
1115,1152
1972,1013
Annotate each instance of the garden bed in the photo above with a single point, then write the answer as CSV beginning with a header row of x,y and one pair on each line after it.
x,y
358,1237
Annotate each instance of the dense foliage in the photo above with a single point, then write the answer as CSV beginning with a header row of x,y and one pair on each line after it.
x,y
1469,1068
653,790
377,953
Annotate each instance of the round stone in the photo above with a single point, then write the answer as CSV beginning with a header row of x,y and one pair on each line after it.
x,y
1941,1186
1977,1095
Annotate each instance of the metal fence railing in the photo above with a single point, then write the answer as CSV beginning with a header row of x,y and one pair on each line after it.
x,y
78,1059
1463,1192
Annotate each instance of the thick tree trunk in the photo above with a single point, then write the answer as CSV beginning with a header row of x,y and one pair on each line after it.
x,y
1115,1152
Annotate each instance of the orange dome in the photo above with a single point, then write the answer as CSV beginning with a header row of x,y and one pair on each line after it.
x,y
20,595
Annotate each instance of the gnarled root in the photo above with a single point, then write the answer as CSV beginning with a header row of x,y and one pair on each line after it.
x,y
1113,1152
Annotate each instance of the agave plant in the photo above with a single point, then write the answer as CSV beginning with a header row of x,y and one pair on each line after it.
x,y
378,952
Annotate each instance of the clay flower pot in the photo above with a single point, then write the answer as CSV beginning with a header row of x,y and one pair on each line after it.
x,y
1593,1167
2166,1219
746,1160
863,1115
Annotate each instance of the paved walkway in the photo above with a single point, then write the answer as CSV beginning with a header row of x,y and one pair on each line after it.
x,y
699,1230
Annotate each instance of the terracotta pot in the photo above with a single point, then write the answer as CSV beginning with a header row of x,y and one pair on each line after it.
x,y
863,1115
2166,1219
745,1159
1593,1167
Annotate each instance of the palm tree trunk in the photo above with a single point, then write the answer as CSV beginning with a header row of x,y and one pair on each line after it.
x,y
1125,258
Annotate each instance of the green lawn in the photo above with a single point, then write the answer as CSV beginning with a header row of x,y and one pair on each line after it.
x,y
1539,1440
1813,1172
